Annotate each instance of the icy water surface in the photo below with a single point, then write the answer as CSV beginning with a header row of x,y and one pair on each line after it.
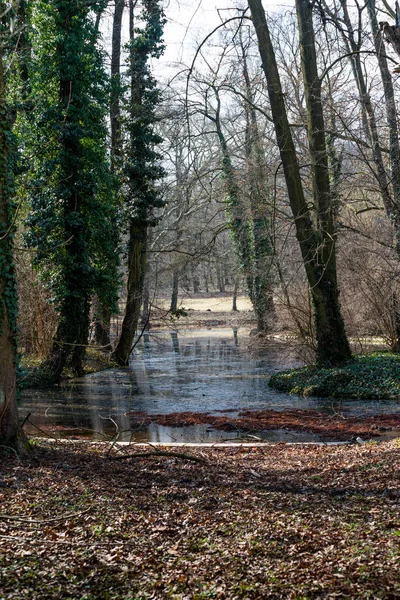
x,y
212,371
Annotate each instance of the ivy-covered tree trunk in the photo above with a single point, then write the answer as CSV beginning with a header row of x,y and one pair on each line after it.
x,y
141,169
71,337
248,224
136,275
9,431
317,243
73,214
237,214
260,207
101,311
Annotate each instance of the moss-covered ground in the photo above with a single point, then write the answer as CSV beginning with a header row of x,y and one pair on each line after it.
x,y
375,376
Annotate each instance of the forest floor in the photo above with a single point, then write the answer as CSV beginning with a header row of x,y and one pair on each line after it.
x,y
280,521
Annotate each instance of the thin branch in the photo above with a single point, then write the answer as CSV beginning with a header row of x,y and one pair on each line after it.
x,y
42,521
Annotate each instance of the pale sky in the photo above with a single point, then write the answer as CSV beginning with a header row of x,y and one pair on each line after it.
x,y
189,21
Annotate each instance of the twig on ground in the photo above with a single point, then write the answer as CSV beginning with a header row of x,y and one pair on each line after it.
x,y
53,437
25,420
115,440
42,521
158,453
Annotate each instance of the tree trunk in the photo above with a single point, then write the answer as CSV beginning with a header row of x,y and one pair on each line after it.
x,y
390,104
369,120
394,147
136,275
9,431
141,169
175,291
102,314
72,333
115,109
146,306
76,273
317,244
220,277
238,219
260,206
235,294
102,323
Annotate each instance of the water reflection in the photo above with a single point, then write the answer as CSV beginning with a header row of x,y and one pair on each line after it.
x,y
194,371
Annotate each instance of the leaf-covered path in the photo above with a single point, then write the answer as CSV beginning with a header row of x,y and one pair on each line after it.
x,y
273,522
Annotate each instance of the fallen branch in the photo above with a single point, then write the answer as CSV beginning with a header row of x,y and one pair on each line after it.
x,y
158,453
42,521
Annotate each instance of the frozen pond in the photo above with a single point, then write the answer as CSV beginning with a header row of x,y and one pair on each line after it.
x,y
212,371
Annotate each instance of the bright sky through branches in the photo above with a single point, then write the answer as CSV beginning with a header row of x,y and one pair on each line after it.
x,y
190,21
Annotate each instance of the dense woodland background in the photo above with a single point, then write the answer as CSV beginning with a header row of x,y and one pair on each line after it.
x,y
268,164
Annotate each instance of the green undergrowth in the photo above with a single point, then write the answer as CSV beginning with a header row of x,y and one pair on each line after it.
x,y
375,376
33,375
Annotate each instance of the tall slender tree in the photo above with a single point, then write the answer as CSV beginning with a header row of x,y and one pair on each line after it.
x,y
387,178
315,232
9,430
142,163
103,310
260,208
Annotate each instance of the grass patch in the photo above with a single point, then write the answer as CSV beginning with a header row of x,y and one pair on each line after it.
x,y
375,376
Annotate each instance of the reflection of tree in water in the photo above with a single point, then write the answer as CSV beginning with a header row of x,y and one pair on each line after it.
x,y
172,372
175,342
147,344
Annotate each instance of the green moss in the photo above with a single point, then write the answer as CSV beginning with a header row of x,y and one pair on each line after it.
x,y
33,374
376,376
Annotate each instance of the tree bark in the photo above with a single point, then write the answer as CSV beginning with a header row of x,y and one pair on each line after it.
x,y
102,314
9,430
141,168
115,108
175,291
72,333
394,152
391,114
137,232
235,294
260,208
136,275
239,222
317,245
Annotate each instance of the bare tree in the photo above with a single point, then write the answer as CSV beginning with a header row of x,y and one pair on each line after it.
x,y
317,240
